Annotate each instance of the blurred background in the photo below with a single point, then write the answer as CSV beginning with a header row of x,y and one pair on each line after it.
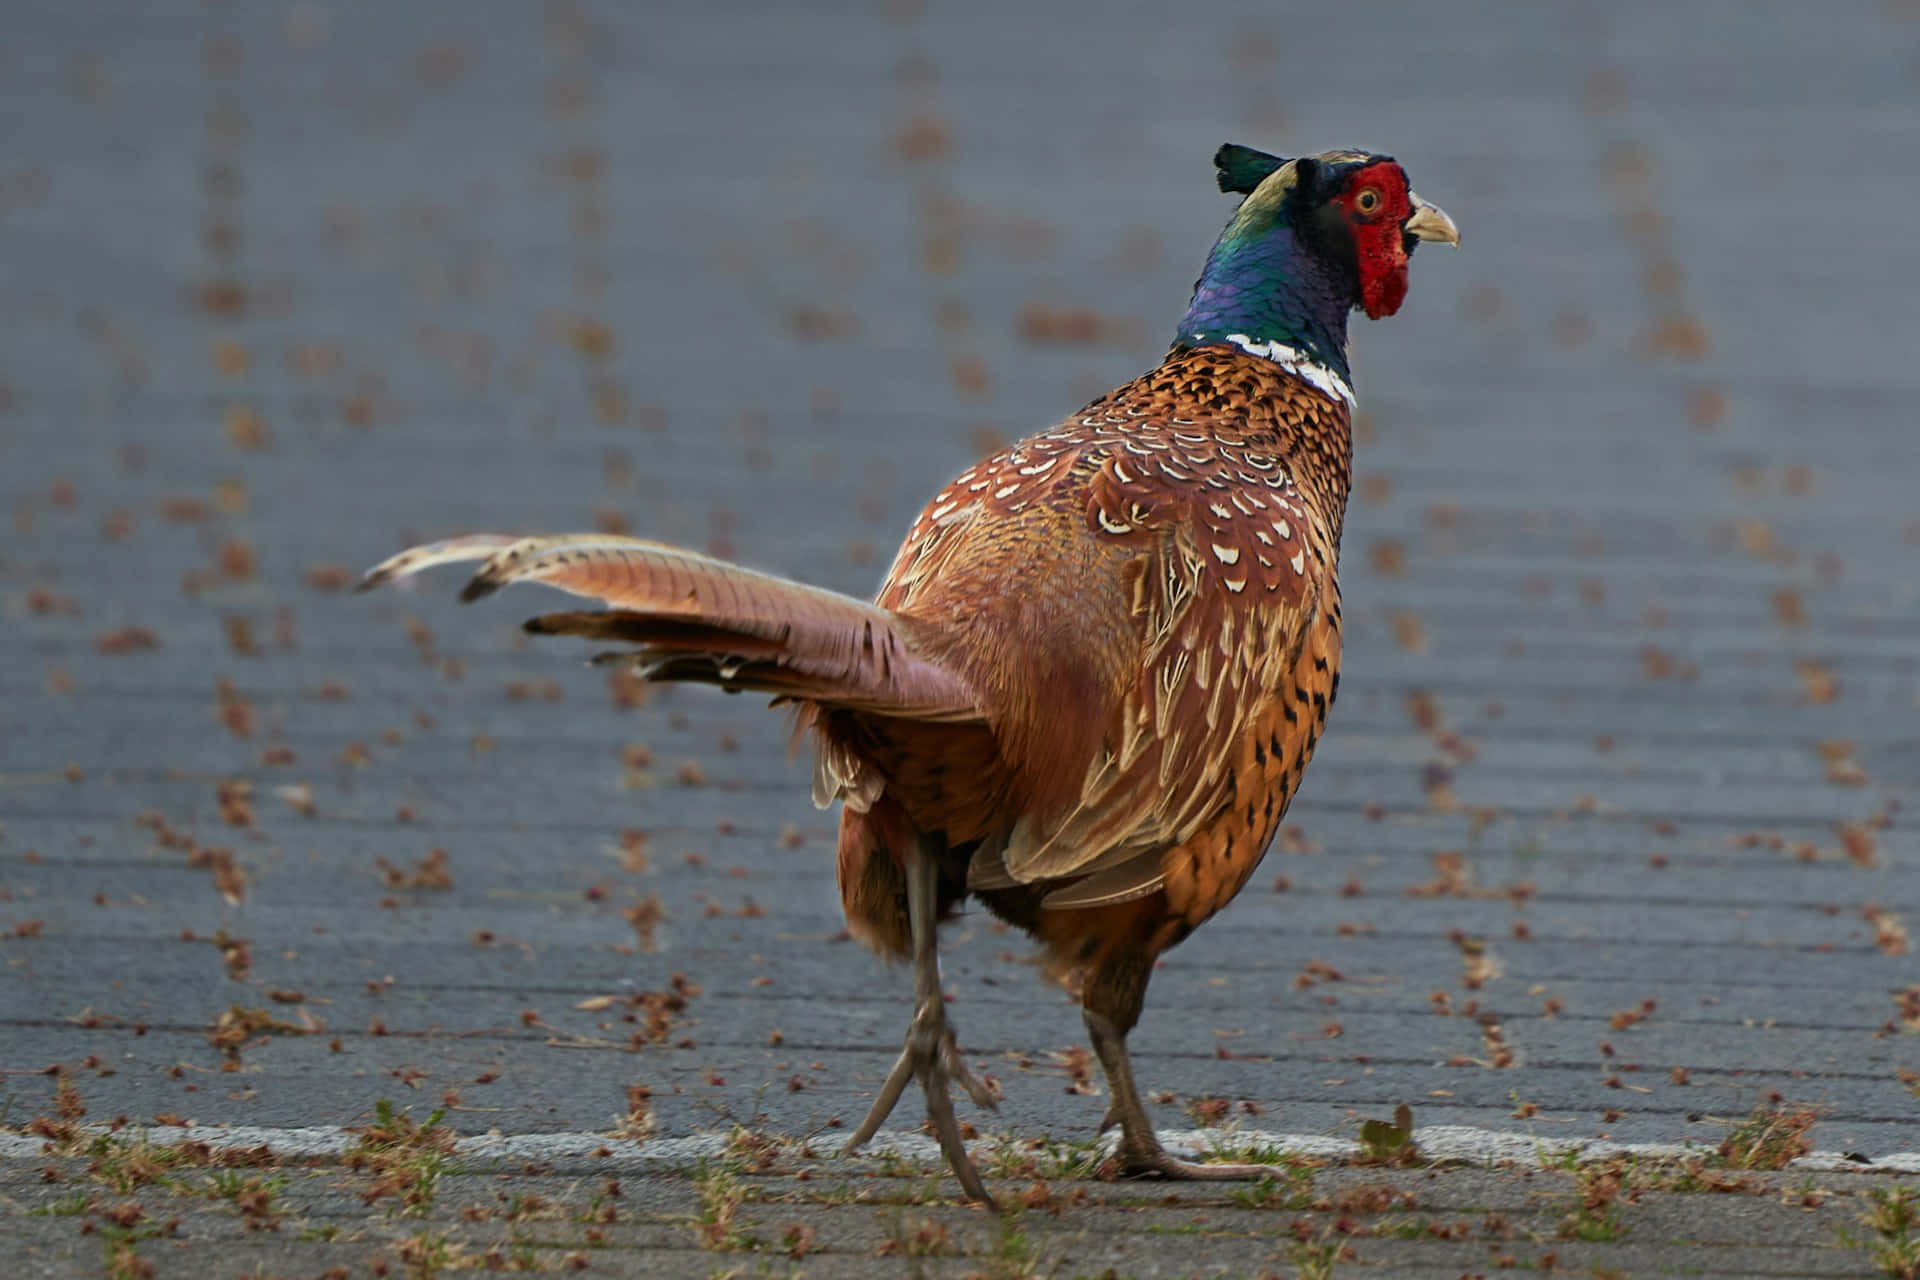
x,y
1607,837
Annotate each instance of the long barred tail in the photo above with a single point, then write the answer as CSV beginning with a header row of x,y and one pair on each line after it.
x,y
693,617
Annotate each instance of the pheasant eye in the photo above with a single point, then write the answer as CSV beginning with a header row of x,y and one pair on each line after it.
x,y
1367,201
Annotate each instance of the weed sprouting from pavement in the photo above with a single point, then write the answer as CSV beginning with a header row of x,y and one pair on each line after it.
x,y
1012,1256
721,1193
1315,1259
122,1228
920,1238
1772,1137
405,1156
1230,1147
1596,1216
68,1206
1894,1219
252,1196
797,1238
1269,1192
751,1151
426,1255
1045,1158
127,1165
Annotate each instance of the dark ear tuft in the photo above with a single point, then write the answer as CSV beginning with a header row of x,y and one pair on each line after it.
x,y
1241,169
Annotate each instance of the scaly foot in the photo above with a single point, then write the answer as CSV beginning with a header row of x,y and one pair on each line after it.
x,y
1153,1162
932,1057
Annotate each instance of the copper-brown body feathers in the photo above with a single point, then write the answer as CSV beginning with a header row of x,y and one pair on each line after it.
x,y
1093,676
1144,600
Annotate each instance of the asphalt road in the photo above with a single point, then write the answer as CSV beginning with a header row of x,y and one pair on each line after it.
x,y
1611,839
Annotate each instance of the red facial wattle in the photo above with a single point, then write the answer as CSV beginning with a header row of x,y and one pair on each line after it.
x,y
1379,242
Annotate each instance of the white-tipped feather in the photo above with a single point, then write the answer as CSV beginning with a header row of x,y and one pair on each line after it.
x,y
472,546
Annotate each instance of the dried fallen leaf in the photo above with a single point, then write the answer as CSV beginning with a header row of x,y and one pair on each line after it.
x,y
1889,932
1388,557
1860,844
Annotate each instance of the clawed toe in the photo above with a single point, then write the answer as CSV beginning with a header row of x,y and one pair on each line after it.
x,y
983,1094
1156,1163
932,1057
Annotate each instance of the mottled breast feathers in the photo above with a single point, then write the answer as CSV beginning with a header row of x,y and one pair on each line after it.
x,y
1128,594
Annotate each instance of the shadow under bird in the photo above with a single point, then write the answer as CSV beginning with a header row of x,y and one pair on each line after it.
x,y
1096,671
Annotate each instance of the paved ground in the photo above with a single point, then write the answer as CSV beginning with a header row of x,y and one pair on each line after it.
x,y
1607,843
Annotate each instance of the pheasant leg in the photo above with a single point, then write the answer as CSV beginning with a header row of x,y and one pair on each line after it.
x,y
1141,1154
930,1055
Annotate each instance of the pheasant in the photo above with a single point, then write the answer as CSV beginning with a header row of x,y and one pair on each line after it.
x,y
1102,658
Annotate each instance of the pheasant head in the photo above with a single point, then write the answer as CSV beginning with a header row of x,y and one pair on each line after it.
x,y
1316,238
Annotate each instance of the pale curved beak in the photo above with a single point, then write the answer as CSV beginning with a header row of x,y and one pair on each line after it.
x,y
1430,222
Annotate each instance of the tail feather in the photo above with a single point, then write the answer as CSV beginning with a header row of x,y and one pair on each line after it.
x,y
629,626
694,617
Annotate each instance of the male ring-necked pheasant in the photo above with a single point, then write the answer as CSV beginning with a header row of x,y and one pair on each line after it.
x,y
1101,660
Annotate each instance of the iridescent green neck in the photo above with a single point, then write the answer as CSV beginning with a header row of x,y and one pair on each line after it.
x,y
1262,288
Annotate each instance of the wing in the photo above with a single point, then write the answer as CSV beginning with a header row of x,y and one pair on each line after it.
x,y
1228,562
